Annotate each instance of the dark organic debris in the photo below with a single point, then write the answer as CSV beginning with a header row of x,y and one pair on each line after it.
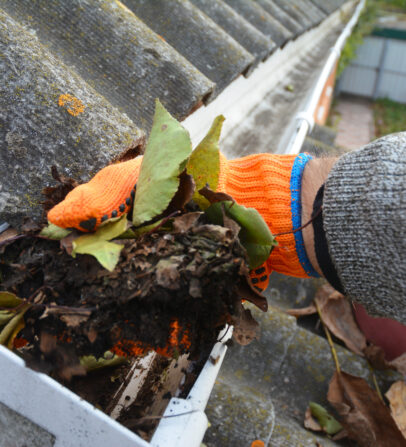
x,y
186,284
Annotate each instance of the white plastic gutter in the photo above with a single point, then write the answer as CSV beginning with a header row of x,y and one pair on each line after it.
x,y
305,118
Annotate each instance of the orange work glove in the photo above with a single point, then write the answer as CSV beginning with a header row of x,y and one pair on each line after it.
x,y
270,183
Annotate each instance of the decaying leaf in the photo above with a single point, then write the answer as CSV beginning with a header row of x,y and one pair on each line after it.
x,y
167,152
97,245
246,329
397,399
54,232
204,163
213,196
325,420
362,413
254,235
185,222
337,315
183,195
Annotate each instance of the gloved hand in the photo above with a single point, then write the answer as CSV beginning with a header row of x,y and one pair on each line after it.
x,y
270,183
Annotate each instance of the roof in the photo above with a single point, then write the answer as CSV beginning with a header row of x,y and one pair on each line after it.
x,y
79,78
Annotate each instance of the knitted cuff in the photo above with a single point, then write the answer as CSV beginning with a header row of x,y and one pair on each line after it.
x,y
271,184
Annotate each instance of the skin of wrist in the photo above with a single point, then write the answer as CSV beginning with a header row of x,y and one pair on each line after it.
x,y
314,175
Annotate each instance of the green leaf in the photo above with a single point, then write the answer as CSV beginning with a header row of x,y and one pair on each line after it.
x,y
328,423
5,317
91,363
254,235
97,245
54,232
165,157
204,163
9,300
9,328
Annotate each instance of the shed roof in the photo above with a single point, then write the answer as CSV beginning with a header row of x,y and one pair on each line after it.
x,y
108,60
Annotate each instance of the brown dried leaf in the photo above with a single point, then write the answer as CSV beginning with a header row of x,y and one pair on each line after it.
x,y
74,320
246,329
246,291
337,315
67,242
183,195
397,399
309,310
214,197
376,357
362,413
310,423
399,364
8,234
184,223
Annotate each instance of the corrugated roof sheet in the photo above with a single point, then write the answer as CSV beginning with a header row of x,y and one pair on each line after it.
x,y
258,17
194,35
114,58
237,27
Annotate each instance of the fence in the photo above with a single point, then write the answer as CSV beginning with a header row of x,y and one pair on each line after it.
x,y
379,70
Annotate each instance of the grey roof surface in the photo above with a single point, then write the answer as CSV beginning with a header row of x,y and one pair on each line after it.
x,y
258,17
208,47
115,58
237,27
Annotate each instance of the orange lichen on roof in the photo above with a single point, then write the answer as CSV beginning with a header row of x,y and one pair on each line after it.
x,y
74,106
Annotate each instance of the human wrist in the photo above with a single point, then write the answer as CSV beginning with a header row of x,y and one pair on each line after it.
x,y
315,174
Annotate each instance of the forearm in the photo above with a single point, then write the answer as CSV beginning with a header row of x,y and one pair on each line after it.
x,y
363,223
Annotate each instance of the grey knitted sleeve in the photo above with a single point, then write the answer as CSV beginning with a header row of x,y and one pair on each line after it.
x,y
364,218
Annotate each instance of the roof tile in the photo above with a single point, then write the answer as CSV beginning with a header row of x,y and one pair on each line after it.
x,y
196,37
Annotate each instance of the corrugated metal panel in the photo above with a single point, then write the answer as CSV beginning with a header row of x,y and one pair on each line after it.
x,y
358,81
370,52
395,58
378,71
393,86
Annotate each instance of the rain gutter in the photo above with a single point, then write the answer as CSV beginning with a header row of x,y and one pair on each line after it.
x,y
305,118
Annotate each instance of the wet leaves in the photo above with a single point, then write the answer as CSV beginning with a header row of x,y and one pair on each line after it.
x,y
365,417
167,152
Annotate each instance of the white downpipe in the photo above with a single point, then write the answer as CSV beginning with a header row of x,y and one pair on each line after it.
x,y
305,119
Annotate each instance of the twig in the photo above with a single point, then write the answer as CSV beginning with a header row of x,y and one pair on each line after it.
x,y
303,226
329,339
163,222
376,383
